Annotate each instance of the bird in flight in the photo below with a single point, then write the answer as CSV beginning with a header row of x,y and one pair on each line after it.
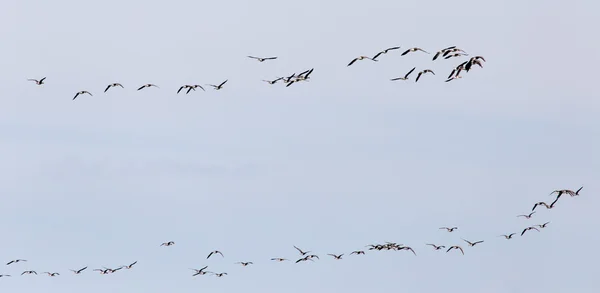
x,y
472,243
413,50
262,59
357,252
541,203
543,225
509,236
130,266
218,87
279,259
147,85
4,276
529,228
456,247
215,252
527,216
244,264
168,243
407,248
219,274
423,72
300,250
385,52
15,261
29,273
449,229
81,93
77,272
360,58
273,81
336,256
190,87
38,82
405,76
452,78
306,258
200,271
436,247
442,51
113,85
52,274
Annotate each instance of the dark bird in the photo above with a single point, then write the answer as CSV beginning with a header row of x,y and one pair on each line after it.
x,y
405,76
244,264
218,87
442,51
407,248
200,271
102,271
360,58
38,82
168,243
566,191
449,229
215,252
262,59
15,261
423,72
336,256
273,81
529,228
77,272
472,243
474,60
456,247
306,258
436,247
300,250
357,252
527,216
455,55
543,225
130,266
4,276
52,274
113,85
29,273
147,85
413,50
219,274
541,203
81,93
454,50
279,259
385,52
509,236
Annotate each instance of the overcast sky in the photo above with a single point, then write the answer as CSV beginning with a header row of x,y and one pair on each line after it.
x,y
346,159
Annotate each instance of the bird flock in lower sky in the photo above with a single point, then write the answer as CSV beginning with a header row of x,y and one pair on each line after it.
x,y
308,256
446,53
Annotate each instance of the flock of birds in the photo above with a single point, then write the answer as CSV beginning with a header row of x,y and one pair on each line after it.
x,y
305,256
446,53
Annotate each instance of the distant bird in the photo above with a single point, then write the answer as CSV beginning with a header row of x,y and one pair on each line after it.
x,y
52,274
357,252
405,76
336,256
449,229
190,87
200,271
260,59
113,85
279,259
244,264
385,52
219,274
273,81
130,266
147,85
218,87
360,58
436,247
38,82
454,50
300,250
168,243
15,261
455,55
407,248
77,272
529,228
4,276
413,50
527,216
472,243
306,258
543,225
474,60
81,93
509,236
456,247
215,252
313,256
29,273
102,271
541,203
423,72
108,270
566,191
442,51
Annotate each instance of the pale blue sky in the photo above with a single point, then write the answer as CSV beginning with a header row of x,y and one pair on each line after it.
x,y
330,165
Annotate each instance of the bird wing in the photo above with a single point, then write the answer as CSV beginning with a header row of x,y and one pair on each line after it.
x,y
436,55
352,62
378,54
405,52
107,87
413,69
209,255
223,83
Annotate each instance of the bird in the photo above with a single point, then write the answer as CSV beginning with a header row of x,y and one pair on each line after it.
x,y
279,259
336,256
37,82
306,258
360,58
456,247
261,59
452,78
113,85
442,51
81,93
218,87
130,266
449,229
189,87
244,264
543,225
452,51
15,261
300,250
215,252
168,243
527,216
219,274
413,50
509,236
384,52
4,276
541,203
529,228
566,191
474,60
357,252
29,273
472,243
405,76
200,271
147,85
52,274
273,81
423,72
77,272
407,248
436,247
455,55
109,270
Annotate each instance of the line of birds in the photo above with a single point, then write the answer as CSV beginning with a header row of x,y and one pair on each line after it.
x,y
446,53
308,256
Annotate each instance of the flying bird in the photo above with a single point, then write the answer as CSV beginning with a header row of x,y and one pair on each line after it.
x,y
244,264
15,261
405,76
200,271
529,228
215,252
385,52
543,225
436,247
456,247
261,59
452,78
541,203
407,248
442,51
336,256
219,274
527,216
300,250
147,85
413,50
509,236
77,272
360,58
424,72
449,229
38,82
168,243
279,259
357,252
273,81
4,276
81,93
130,266
52,274
218,87
472,243
113,85
29,273
306,258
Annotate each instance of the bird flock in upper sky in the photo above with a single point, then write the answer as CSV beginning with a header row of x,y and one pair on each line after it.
x,y
446,53
308,256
